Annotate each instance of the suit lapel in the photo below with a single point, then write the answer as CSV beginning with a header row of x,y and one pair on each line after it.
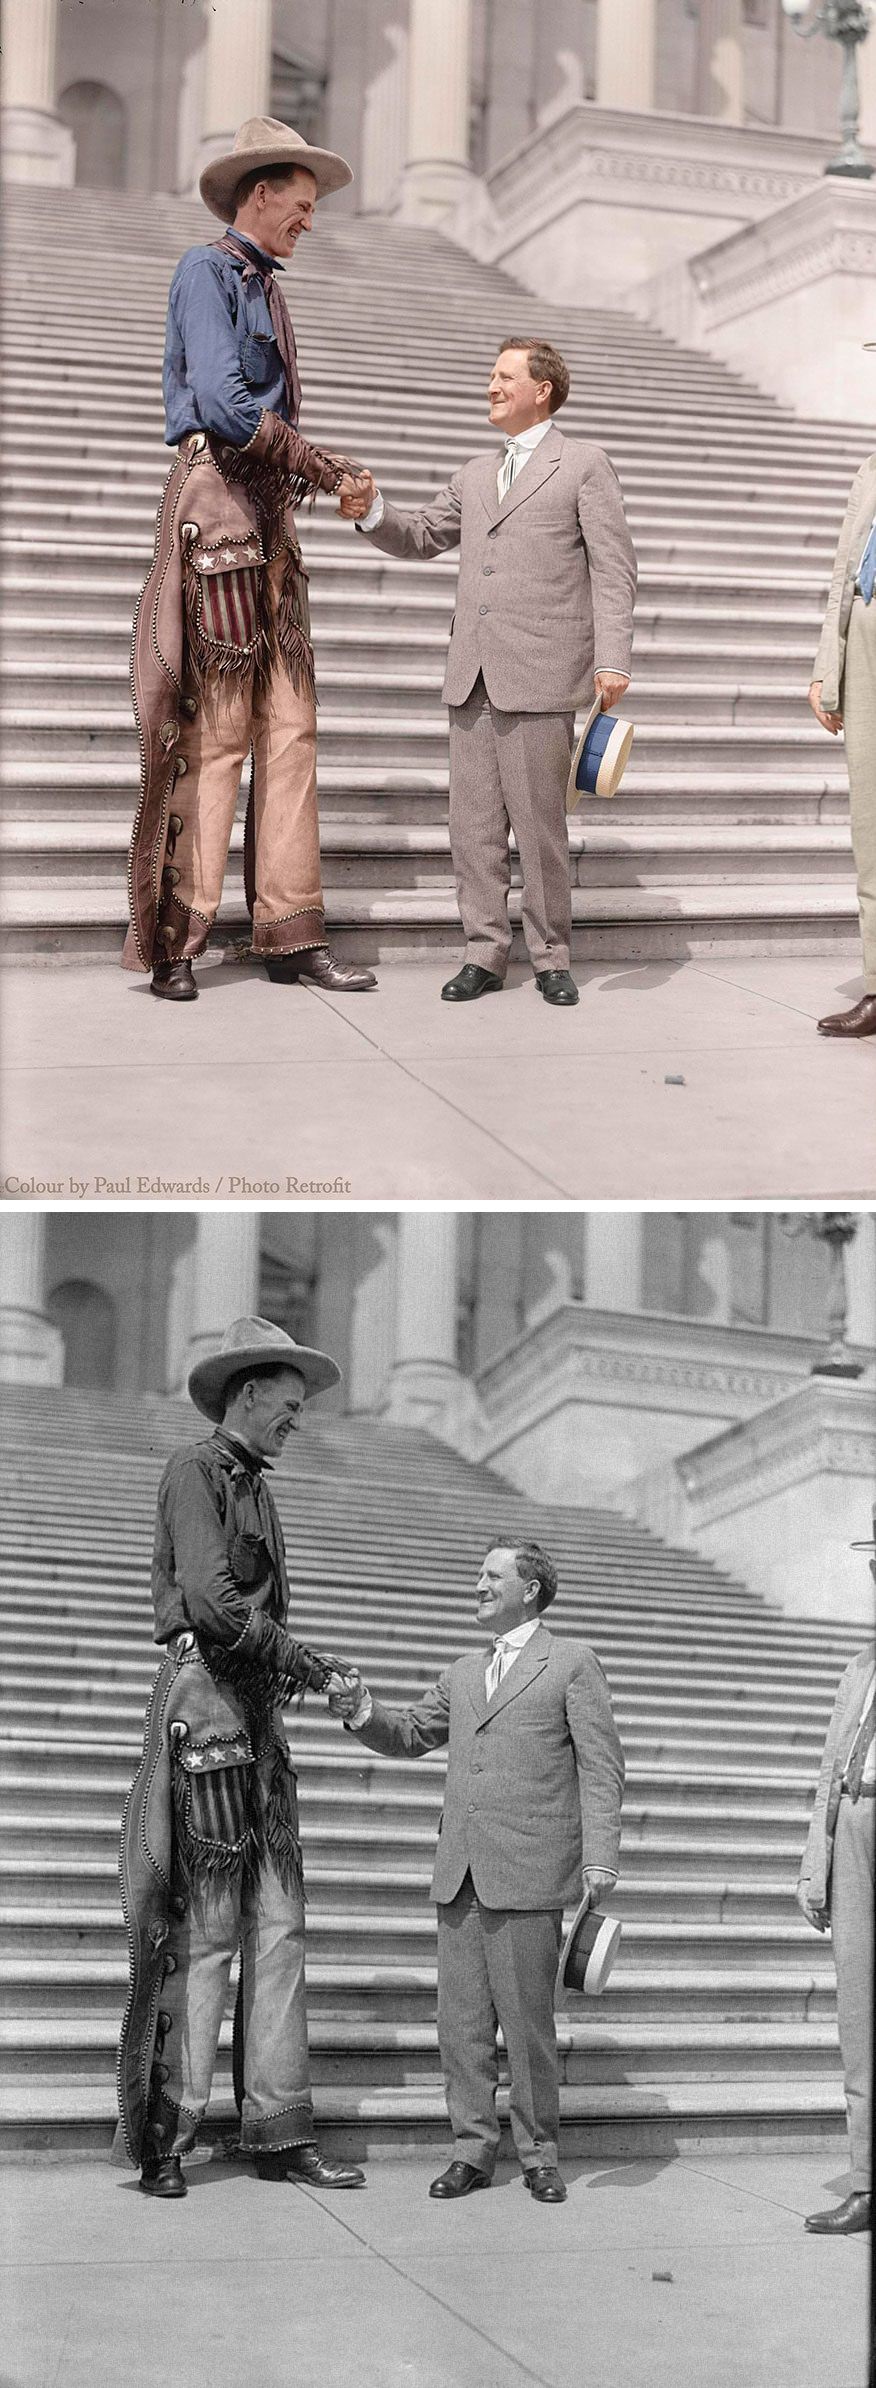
x,y
533,1659
542,463
476,1683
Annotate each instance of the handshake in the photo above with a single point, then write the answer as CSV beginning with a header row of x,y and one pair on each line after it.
x,y
357,492
346,1692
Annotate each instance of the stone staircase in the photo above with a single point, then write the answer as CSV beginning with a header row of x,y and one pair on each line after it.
x,y
719,2023
730,833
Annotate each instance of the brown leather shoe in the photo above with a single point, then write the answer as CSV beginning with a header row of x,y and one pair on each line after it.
x,y
317,967
175,981
860,1021
840,2221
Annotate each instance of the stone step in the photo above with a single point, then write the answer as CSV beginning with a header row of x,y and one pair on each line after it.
x,y
97,645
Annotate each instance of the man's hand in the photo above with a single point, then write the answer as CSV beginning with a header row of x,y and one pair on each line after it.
x,y
610,687
357,494
817,1916
829,721
596,1883
345,1693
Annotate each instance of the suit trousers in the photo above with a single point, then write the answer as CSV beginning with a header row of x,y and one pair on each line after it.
x,y
267,1922
498,1966
851,1925
859,727
510,770
279,724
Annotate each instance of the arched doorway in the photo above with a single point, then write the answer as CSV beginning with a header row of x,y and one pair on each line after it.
x,y
87,1319
97,119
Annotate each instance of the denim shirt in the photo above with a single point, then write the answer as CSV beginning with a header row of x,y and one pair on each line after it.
x,y
222,366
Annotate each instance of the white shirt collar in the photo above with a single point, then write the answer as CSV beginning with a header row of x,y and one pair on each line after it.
x,y
530,439
518,1635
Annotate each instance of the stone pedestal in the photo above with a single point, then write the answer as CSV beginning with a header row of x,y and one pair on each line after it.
x,y
789,301
225,1281
31,1349
35,145
625,52
424,1373
436,171
237,73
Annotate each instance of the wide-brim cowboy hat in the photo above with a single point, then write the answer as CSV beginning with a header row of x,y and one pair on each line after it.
x,y
587,1955
254,1343
601,756
264,141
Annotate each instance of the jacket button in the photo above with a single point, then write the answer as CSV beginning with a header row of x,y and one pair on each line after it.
x,y
488,569
483,609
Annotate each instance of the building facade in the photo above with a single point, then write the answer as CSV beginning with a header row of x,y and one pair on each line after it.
x,y
418,94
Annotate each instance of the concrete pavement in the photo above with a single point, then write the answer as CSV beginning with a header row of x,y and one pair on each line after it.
x,y
696,2270
673,1081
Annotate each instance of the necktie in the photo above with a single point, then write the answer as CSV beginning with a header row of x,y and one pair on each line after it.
x,y
867,568
866,1734
497,1667
513,456
281,322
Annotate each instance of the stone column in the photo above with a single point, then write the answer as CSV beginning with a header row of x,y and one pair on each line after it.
x,y
720,77
36,146
861,1283
237,77
436,171
31,1349
498,1302
225,1283
613,1260
625,53
372,1323
866,57
424,1372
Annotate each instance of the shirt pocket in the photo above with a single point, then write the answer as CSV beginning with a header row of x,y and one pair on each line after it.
x,y
250,1560
259,360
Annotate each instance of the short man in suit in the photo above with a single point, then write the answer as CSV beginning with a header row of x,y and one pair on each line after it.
x,y
843,697
544,611
534,1781
836,1888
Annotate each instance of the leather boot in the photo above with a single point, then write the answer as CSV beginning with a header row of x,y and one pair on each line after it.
x,y
840,2221
175,981
304,2163
860,1021
317,967
161,2176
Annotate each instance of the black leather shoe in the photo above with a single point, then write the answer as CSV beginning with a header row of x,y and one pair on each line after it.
x,y
459,2180
175,981
840,2221
162,2177
306,2164
317,967
556,986
469,982
544,2182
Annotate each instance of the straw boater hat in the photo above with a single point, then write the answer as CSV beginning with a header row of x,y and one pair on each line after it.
x,y
263,141
601,756
588,1954
254,1343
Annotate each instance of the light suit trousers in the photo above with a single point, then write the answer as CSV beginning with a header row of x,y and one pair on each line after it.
x,y
859,726
851,1926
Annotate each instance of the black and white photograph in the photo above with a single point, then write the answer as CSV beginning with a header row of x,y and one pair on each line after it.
x,y
438,1758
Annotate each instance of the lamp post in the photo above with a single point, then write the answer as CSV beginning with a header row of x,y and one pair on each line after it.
x,y
836,1229
848,22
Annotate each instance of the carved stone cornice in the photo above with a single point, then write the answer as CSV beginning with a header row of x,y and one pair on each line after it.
x,y
828,231
823,1428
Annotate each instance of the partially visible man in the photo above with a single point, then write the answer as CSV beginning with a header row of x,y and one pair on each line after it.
x,y
544,614
211,1859
843,697
836,1889
534,1781
222,660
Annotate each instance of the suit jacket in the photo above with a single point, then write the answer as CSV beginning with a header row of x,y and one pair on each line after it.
x,y
534,1778
547,579
818,1854
830,660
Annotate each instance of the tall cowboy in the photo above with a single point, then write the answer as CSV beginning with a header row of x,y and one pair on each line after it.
x,y
211,1860
222,660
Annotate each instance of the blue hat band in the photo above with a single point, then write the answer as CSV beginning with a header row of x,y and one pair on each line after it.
x,y
595,744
